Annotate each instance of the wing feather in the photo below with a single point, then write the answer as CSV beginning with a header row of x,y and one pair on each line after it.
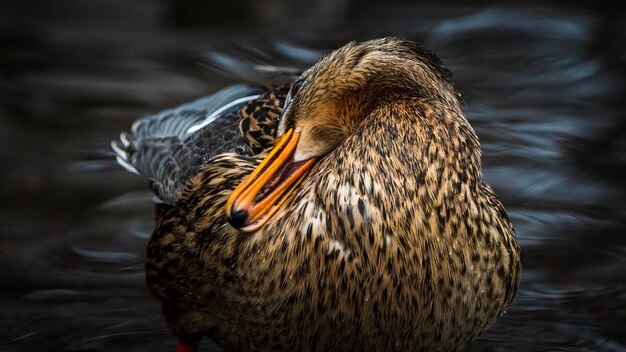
x,y
168,148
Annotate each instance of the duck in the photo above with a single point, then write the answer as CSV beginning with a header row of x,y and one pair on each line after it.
x,y
346,211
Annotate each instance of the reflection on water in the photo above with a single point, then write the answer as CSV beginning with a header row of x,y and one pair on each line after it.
x,y
542,87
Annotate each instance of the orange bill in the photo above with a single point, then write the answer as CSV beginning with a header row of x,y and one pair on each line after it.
x,y
257,198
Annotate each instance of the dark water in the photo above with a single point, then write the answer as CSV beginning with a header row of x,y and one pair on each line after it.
x,y
544,91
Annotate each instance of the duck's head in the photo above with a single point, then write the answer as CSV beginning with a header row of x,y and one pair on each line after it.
x,y
325,105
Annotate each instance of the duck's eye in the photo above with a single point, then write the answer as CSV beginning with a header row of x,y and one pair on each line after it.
x,y
295,87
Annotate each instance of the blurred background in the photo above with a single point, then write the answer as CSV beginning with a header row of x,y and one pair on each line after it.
x,y
544,87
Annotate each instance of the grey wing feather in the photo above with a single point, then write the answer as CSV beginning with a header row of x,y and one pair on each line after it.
x,y
168,148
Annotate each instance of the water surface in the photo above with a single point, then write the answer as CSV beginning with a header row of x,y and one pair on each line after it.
x,y
543,87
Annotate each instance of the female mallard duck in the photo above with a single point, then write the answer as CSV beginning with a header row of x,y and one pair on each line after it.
x,y
368,224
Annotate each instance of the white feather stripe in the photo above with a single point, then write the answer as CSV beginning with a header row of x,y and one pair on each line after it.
x,y
217,113
124,139
126,165
115,145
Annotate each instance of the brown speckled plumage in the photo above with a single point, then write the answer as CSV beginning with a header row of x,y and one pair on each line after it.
x,y
260,118
392,242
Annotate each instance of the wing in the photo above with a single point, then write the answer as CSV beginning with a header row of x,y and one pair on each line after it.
x,y
168,148
259,118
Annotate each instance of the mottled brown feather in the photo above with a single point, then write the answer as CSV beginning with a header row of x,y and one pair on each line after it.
x,y
259,118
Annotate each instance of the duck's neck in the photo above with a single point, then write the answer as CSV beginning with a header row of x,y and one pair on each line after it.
x,y
417,139
414,151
